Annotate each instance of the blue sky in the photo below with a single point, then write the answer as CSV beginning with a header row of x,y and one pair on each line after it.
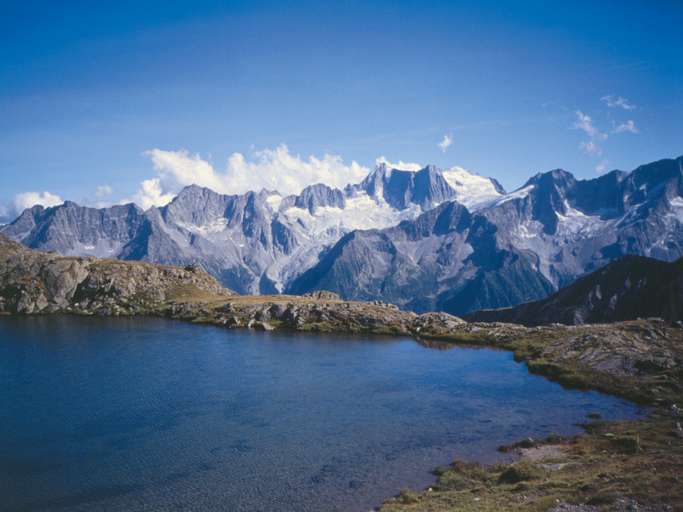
x,y
88,89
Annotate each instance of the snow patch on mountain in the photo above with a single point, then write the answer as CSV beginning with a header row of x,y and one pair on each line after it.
x,y
360,212
517,194
676,204
574,222
213,226
274,201
472,190
100,249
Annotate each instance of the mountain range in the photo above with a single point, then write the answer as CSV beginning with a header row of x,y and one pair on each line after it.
x,y
433,239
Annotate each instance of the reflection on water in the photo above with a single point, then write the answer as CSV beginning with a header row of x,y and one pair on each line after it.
x,y
149,414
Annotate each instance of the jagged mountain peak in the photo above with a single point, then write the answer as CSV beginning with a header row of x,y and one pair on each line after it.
x,y
557,178
430,186
195,191
195,205
543,198
400,188
192,189
319,195
655,173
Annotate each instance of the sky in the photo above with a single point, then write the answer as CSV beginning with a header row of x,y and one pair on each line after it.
x,y
103,102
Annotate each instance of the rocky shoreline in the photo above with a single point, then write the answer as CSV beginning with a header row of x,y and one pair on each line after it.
x,y
634,465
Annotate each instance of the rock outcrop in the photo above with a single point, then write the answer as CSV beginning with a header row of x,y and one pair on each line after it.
x,y
323,294
37,282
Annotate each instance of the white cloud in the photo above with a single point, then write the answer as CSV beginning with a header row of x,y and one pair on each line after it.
x,y
179,168
272,169
601,167
400,165
617,102
151,194
627,127
25,200
29,199
103,191
446,142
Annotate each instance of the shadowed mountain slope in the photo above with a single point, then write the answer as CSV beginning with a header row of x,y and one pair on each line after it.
x,y
630,288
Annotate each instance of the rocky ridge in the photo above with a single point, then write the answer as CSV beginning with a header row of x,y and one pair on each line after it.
x,y
630,288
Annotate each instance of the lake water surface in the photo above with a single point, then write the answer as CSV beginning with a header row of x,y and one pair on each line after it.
x,y
149,414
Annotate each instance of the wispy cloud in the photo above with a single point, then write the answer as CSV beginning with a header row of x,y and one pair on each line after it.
x,y
627,127
446,142
584,123
601,167
272,169
103,191
613,101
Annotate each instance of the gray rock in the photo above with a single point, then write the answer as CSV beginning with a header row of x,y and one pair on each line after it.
x,y
323,295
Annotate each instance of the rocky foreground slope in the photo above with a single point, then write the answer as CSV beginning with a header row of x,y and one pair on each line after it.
x,y
613,466
39,282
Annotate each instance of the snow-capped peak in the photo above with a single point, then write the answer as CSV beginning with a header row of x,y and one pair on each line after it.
x,y
472,190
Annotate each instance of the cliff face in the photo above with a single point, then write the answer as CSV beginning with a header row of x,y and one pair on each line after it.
x,y
38,282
